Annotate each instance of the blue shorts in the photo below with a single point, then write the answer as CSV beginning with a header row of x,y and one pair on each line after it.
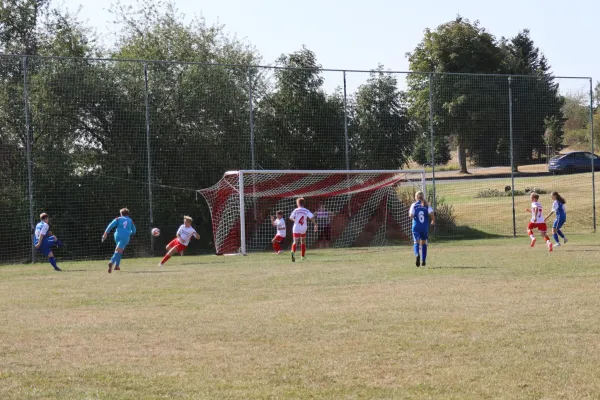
x,y
559,222
121,242
420,236
47,244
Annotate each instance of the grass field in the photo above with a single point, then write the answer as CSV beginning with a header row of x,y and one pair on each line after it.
x,y
486,319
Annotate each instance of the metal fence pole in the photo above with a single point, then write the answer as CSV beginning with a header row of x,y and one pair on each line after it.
x,y
432,140
512,156
252,144
252,154
347,142
148,155
593,162
28,149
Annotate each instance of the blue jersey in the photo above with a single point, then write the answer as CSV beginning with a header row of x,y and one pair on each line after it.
x,y
124,225
560,210
40,229
420,215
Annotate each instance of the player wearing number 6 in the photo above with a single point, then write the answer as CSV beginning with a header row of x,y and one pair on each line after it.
x,y
125,228
300,216
537,221
422,216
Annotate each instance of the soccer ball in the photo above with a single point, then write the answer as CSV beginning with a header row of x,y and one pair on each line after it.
x,y
155,232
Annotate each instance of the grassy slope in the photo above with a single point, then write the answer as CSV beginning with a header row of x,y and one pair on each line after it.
x,y
487,319
494,215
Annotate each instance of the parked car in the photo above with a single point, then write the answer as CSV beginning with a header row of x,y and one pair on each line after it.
x,y
574,161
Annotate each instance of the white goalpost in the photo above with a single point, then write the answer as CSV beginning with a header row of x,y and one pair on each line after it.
x,y
353,208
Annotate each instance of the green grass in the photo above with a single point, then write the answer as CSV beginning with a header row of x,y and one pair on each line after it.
x,y
494,215
486,319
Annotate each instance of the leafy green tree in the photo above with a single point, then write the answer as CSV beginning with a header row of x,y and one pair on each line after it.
x,y
535,97
299,125
422,150
382,134
462,105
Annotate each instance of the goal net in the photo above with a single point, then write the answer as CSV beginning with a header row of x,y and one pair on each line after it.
x,y
353,208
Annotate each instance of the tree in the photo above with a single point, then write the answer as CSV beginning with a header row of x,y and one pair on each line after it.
x,y
382,134
462,106
535,97
422,151
298,125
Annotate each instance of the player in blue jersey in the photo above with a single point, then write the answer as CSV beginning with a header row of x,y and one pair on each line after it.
x,y
125,228
44,240
558,208
422,216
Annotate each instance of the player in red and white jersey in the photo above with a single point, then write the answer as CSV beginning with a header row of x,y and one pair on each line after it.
x,y
537,221
180,243
301,216
278,223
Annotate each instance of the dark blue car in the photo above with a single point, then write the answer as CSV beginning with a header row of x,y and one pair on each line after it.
x,y
574,161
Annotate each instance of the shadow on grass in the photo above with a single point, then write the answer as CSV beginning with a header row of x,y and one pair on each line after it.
x,y
465,233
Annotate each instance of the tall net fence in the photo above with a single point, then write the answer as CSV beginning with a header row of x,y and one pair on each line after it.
x,y
82,138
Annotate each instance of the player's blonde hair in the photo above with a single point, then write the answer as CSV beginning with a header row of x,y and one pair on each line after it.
x,y
124,212
534,196
188,218
43,216
300,201
420,196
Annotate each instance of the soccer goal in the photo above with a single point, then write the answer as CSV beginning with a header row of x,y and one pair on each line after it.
x,y
353,208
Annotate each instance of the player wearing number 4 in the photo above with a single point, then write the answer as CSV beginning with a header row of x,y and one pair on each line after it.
x,y
421,214
125,228
537,221
278,223
180,243
300,217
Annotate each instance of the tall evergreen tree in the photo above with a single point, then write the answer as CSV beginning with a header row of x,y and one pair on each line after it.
x,y
535,96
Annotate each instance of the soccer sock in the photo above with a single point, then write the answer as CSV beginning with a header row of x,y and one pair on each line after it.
x,y
531,235
276,246
118,260
424,251
546,238
303,248
52,261
113,259
165,259
560,234
294,248
555,236
416,249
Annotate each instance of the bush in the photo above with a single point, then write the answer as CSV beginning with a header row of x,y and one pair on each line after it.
x,y
507,193
444,212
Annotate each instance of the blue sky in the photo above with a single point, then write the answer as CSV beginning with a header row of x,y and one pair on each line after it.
x,y
355,34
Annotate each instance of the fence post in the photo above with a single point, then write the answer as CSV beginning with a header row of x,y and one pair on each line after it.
x,y
29,155
148,155
593,161
512,157
252,154
432,140
347,142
